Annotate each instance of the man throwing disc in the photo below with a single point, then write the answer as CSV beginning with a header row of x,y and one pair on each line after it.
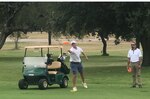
x,y
76,64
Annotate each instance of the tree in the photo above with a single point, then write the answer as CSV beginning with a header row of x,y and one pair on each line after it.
x,y
125,20
83,18
141,25
8,12
23,17
15,36
136,18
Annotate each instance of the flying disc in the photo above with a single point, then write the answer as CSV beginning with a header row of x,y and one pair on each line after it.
x,y
66,42
129,69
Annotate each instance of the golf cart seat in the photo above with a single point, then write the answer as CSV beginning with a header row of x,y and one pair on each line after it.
x,y
53,67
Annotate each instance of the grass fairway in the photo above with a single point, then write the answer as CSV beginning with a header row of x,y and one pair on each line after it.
x,y
106,77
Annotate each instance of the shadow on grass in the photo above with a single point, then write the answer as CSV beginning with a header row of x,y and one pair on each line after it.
x,y
99,58
112,69
5,59
36,88
103,71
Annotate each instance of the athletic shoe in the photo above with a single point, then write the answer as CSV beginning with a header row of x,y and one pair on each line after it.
x,y
74,89
84,85
133,86
140,86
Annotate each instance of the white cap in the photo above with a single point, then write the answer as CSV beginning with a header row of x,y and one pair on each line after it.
x,y
133,43
73,42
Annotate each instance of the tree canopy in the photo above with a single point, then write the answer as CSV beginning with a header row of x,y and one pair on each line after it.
x,y
125,20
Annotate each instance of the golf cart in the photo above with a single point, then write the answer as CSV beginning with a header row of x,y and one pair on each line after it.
x,y
37,71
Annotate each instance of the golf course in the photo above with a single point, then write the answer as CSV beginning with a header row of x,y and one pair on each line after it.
x,y
106,76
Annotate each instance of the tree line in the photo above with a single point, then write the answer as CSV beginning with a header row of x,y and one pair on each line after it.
x,y
125,20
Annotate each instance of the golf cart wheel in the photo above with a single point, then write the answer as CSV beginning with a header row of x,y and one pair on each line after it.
x,y
64,83
43,84
23,84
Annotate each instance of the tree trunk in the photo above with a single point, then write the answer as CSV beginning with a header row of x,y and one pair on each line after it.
x,y
3,37
16,44
49,38
137,42
146,50
104,45
16,41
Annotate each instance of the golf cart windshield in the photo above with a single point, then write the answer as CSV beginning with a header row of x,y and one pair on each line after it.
x,y
35,56
35,62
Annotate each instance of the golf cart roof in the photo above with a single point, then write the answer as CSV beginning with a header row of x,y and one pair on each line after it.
x,y
42,47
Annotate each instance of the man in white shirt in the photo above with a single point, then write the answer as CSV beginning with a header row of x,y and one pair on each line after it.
x,y
76,64
134,61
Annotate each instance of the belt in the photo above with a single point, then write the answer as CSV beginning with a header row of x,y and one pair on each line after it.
x,y
134,62
76,62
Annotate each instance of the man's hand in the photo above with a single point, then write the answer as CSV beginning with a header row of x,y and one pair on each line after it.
x,y
85,55
87,58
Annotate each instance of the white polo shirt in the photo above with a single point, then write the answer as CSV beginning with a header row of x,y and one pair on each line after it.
x,y
134,55
75,55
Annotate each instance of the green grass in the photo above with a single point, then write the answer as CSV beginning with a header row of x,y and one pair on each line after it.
x,y
106,77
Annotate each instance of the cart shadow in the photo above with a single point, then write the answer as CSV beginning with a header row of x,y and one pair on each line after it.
x,y
36,88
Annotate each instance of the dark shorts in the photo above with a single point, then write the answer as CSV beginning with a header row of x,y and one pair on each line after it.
x,y
76,67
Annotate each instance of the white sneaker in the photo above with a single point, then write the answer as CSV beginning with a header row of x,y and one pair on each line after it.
x,y
74,89
84,85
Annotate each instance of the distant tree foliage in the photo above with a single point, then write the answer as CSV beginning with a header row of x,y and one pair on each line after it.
x,y
124,20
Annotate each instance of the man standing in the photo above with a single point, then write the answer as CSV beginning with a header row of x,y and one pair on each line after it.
x,y
76,64
134,61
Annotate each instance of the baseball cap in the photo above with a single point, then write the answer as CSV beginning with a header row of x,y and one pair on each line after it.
x,y
73,42
133,43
